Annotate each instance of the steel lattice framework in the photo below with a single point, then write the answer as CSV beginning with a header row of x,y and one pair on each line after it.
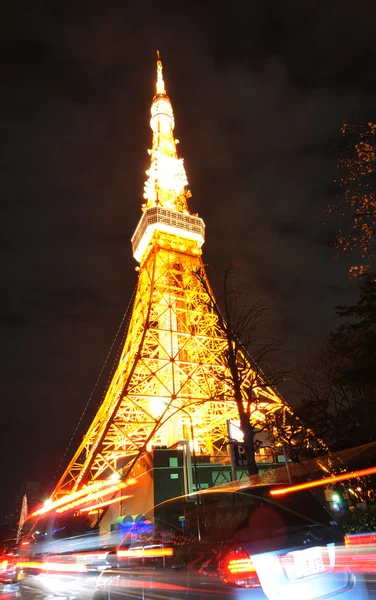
x,y
171,376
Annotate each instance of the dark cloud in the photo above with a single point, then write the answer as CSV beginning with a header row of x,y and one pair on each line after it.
x,y
259,92
289,228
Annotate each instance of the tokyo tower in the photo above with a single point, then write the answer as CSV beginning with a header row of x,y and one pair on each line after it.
x,y
169,384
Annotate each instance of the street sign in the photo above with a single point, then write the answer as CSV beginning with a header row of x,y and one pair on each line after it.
x,y
240,457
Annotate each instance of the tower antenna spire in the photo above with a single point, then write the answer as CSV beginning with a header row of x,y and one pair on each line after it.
x,y
160,82
166,181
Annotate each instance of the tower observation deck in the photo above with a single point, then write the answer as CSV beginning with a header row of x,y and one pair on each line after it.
x,y
170,383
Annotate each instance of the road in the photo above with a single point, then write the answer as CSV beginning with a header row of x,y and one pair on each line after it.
x,y
9,592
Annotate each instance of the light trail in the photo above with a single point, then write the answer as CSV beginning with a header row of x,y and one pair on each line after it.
x,y
320,482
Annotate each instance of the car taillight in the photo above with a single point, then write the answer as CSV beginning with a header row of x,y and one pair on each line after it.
x,y
3,566
237,568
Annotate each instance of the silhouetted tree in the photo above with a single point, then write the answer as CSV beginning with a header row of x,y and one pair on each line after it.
x,y
289,431
357,203
338,384
248,351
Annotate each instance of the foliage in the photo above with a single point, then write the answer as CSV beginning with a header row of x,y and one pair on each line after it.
x,y
357,203
290,432
338,385
360,520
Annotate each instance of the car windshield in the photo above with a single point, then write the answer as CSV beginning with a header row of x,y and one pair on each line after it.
x,y
249,514
254,514
298,508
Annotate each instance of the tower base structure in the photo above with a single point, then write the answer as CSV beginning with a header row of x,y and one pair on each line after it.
x,y
171,382
166,473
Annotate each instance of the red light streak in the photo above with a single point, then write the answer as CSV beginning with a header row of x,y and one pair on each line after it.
x,y
3,566
358,562
361,539
326,481
156,586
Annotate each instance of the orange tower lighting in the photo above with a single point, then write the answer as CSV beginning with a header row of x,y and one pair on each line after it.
x,y
171,377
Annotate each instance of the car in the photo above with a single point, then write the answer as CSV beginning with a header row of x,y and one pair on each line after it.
x,y
236,542
8,565
67,574
59,566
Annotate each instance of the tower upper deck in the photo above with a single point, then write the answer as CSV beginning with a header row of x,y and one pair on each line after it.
x,y
166,193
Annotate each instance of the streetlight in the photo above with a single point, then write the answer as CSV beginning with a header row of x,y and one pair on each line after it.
x,y
183,410
193,450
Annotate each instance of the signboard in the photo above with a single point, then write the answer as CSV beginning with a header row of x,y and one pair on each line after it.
x,y
262,439
234,431
235,434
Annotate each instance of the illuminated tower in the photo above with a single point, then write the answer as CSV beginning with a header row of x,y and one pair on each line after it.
x,y
167,384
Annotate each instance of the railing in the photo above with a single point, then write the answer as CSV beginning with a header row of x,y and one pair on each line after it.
x,y
263,455
171,219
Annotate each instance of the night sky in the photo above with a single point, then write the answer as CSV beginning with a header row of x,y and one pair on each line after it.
x,y
259,90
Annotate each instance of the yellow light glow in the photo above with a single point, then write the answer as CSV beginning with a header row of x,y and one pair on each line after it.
x,y
110,490
160,81
50,505
94,507
59,567
241,565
